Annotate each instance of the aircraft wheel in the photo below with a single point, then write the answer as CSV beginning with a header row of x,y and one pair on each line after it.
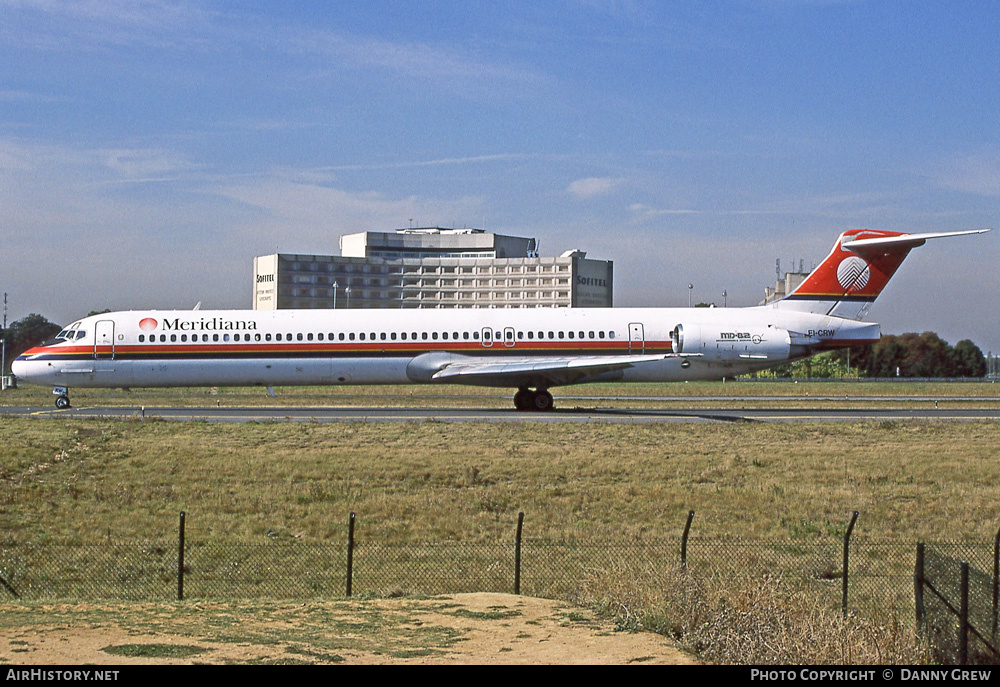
x,y
62,402
524,399
543,400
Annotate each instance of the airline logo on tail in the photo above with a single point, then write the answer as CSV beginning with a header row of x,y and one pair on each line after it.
x,y
853,273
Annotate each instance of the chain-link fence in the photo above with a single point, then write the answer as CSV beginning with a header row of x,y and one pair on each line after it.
x,y
957,605
879,574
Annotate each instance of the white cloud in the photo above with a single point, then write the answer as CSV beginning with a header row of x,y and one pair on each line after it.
x,y
593,186
978,174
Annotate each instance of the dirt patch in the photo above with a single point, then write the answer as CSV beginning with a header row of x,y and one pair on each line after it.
x,y
454,629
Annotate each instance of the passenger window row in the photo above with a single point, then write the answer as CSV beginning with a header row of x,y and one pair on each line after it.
x,y
488,335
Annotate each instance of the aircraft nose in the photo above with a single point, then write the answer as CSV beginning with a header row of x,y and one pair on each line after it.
x,y
24,368
19,367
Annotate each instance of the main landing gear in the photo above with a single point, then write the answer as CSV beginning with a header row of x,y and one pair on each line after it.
x,y
526,399
62,397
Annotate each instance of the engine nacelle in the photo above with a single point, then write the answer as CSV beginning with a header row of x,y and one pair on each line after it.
x,y
732,344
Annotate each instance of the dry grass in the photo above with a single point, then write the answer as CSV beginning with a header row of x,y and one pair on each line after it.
x,y
749,620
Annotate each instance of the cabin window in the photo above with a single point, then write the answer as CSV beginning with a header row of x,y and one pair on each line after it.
x,y
393,336
309,337
423,335
173,337
403,336
434,335
341,336
571,335
362,335
475,336
215,337
382,336
299,336
142,338
320,336
581,335
225,337
531,335
444,336
351,336
267,337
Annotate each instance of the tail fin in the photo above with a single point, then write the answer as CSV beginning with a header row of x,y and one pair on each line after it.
x,y
852,276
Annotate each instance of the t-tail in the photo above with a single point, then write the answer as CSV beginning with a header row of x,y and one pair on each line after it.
x,y
852,276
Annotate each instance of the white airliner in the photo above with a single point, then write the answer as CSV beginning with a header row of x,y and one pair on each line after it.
x,y
531,350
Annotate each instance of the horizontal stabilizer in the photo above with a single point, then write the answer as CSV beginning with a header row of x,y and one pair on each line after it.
x,y
907,241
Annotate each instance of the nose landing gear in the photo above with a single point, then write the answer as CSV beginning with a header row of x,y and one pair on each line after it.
x,y
540,400
62,397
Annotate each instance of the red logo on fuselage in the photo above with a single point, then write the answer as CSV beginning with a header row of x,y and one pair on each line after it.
x,y
147,324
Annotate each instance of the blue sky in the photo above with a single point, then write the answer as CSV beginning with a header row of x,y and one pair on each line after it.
x,y
150,149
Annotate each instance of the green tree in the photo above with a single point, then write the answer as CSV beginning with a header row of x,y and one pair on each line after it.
x,y
27,332
968,360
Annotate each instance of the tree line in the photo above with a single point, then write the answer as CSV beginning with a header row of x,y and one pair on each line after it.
x,y
895,355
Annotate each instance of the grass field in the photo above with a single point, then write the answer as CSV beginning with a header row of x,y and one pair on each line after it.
x,y
84,481
432,481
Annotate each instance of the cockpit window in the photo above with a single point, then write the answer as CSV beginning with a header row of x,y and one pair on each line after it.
x,y
80,334
62,335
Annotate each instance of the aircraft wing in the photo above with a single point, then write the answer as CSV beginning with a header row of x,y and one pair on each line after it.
x,y
524,371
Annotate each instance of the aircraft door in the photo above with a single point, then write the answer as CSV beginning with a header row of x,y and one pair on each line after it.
x,y
487,337
104,339
636,338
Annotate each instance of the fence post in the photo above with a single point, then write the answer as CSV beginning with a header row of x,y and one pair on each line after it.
x,y
180,560
847,560
517,554
963,618
918,586
996,580
684,541
350,554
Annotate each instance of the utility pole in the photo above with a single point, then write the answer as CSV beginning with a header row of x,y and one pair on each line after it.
x,y
3,347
